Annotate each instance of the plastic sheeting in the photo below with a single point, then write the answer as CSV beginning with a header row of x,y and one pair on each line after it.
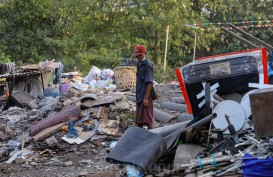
x,y
139,147
254,167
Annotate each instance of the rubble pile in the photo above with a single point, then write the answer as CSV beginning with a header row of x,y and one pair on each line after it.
x,y
225,126
59,125
75,126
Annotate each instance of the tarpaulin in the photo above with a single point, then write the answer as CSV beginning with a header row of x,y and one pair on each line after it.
x,y
139,147
254,167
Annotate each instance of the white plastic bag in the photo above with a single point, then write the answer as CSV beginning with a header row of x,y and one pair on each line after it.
x,y
106,74
111,87
133,171
78,85
94,73
101,84
93,83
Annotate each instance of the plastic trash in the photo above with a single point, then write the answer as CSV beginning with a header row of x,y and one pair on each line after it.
x,y
78,85
24,137
111,87
64,88
112,144
94,74
93,83
51,92
72,132
13,144
106,74
101,84
133,171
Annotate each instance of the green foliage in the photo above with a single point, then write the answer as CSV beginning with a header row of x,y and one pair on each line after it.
x,y
4,58
161,76
98,32
25,25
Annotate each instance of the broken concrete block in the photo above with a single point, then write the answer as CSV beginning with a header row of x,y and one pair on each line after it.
x,y
68,163
131,98
120,105
185,153
111,98
67,102
51,141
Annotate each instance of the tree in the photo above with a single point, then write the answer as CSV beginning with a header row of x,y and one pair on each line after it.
x,y
98,32
25,26
251,16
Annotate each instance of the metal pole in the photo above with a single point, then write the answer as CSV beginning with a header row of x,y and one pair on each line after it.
x,y
203,121
166,47
267,46
239,38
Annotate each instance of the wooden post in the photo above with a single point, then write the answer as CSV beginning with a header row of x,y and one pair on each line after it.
x,y
166,46
194,48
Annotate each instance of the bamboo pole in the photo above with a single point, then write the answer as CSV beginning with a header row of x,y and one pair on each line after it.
x,y
166,47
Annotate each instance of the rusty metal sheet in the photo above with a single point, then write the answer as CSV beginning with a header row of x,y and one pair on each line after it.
x,y
111,98
261,107
22,98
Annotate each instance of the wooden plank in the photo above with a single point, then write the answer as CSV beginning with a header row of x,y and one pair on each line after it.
x,y
52,130
48,131
64,115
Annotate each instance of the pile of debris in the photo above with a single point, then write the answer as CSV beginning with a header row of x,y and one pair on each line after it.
x,y
219,127
227,133
45,119
220,144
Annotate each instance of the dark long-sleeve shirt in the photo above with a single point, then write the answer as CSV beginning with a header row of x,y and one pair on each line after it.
x,y
144,76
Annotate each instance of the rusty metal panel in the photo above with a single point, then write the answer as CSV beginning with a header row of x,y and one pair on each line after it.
x,y
22,98
262,112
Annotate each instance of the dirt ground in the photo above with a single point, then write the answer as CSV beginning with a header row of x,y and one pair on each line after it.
x,y
82,160
87,159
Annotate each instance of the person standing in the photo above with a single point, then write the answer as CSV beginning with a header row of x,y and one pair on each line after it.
x,y
144,82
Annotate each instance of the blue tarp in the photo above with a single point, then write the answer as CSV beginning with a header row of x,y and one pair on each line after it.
x,y
269,67
254,167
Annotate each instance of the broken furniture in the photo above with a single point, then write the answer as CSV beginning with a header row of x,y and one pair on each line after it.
x,y
23,82
233,72
24,99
